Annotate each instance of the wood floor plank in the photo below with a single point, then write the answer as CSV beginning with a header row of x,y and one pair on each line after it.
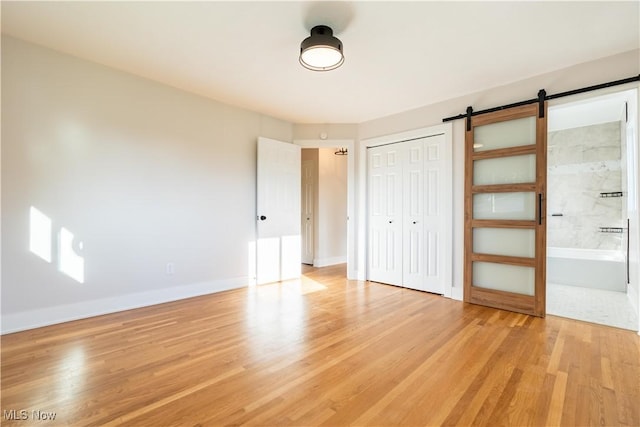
x,y
554,415
323,350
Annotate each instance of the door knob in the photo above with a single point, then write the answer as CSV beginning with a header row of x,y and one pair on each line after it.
x,y
390,221
415,222
262,217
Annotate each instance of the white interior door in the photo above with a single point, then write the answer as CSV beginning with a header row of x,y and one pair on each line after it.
x,y
438,211
426,209
278,211
385,215
413,254
306,219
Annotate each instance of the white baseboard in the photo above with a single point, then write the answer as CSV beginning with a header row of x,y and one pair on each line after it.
x,y
15,322
325,262
457,293
632,294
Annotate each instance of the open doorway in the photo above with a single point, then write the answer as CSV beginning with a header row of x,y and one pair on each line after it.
x,y
331,146
324,215
592,210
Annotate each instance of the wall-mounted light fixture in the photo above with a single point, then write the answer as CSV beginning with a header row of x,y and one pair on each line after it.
x,y
321,51
341,152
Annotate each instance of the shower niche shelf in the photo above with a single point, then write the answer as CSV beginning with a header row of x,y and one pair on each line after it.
x,y
611,194
611,229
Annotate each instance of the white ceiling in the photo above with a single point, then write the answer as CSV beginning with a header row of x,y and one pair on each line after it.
x,y
398,55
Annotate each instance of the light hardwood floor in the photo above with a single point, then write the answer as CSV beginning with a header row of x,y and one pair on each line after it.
x,y
323,351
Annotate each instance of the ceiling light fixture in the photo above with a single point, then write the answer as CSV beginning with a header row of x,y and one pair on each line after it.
x,y
321,51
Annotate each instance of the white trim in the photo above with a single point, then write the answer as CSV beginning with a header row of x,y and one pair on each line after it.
x,y
323,143
325,262
445,129
353,270
15,322
442,129
457,293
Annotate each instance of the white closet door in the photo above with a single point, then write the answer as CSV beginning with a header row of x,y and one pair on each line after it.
x,y
437,214
413,244
385,215
410,214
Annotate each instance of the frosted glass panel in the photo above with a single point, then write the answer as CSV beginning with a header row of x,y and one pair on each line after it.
x,y
504,241
505,170
510,278
512,133
504,206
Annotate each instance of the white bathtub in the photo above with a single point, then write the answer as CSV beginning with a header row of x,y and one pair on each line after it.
x,y
589,268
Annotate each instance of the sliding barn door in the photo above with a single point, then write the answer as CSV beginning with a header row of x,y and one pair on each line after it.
x,y
505,224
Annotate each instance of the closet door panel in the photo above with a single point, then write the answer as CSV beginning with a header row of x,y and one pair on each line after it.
x,y
385,210
413,215
435,210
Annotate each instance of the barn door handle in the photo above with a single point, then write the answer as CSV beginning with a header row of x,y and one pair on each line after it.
x,y
539,208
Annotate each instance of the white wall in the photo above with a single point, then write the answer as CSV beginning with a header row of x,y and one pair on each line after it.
x,y
331,236
141,173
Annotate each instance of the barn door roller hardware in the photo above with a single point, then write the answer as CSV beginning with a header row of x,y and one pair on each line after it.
x,y
542,97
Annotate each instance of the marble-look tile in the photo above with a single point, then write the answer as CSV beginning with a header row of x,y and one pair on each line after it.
x,y
563,155
592,136
582,163
590,154
591,305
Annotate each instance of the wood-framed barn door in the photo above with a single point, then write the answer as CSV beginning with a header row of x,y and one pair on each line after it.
x,y
505,220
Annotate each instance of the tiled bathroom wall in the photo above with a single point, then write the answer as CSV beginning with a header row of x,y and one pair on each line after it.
x,y
583,163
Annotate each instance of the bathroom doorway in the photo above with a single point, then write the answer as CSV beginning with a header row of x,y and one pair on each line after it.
x,y
324,207
592,210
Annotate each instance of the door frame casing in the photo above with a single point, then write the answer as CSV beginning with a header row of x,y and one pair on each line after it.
x,y
445,129
632,93
352,268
